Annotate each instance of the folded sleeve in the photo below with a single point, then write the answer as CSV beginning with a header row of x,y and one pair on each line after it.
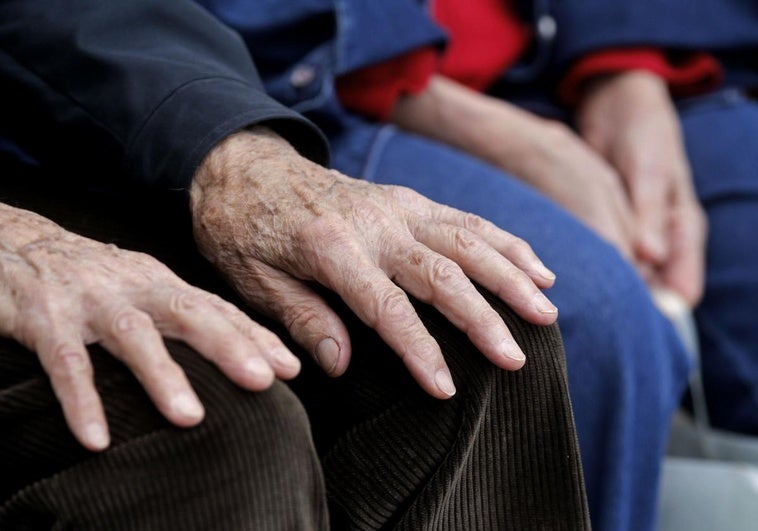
x,y
484,38
145,86
374,90
588,26
687,74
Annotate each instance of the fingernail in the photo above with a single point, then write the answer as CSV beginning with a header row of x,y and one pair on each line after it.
x,y
510,349
543,305
187,405
328,354
444,382
545,273
97,435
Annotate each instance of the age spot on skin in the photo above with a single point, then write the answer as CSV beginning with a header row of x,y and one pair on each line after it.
x,y
416,258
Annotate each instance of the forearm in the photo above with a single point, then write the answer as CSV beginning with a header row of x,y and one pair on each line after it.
x,y
490,129
448,112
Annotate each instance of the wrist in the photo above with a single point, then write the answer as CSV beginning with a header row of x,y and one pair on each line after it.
x,y
235,152
20,228
455,115
233,161
623,85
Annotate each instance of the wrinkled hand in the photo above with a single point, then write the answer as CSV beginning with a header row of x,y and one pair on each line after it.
x,y
629,120
545,154
60,291
273,222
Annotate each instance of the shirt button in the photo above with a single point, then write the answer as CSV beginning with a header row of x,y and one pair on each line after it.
x,y
302,76
546,28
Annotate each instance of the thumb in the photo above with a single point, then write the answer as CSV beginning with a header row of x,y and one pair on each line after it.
x,y
311,322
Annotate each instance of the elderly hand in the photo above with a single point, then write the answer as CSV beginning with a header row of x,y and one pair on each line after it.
x,y
273,222
630,121
545,154
60,291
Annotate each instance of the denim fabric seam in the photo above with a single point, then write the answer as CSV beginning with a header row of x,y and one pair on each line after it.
x,y
375,153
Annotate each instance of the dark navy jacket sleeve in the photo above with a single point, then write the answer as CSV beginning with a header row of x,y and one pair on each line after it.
x,y
148,86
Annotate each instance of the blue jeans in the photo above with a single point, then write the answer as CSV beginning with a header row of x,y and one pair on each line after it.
x,y
627,369
721,134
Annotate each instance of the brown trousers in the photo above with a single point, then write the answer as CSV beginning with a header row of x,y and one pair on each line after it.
x,y
368,450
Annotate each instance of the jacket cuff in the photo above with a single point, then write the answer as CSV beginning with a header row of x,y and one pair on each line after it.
x,y
688,75
373,91
195,117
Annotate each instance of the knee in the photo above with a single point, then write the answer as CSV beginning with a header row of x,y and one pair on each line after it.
x,y
273,419
271,422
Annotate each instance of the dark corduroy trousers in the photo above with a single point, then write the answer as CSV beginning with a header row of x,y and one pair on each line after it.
x,y
368,450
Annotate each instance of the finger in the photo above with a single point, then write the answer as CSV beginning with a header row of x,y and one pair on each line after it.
x,y
67,363
616,221
130,335
183,314
510,246
648,188
311,322
383,306
434,279
489,268
684,272
285,364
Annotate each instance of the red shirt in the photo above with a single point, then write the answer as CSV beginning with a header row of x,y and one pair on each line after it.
x,y
485,38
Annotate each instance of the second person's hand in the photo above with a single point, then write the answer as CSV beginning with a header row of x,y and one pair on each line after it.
x,y
630,120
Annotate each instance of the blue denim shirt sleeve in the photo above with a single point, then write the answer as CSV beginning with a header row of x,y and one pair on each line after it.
x,y
300,46
370,31
583,26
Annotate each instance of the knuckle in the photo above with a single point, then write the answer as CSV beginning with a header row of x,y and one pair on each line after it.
x,y
40,310
182,302
474,223
464,241
444,271
67,362
393,306
130,320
